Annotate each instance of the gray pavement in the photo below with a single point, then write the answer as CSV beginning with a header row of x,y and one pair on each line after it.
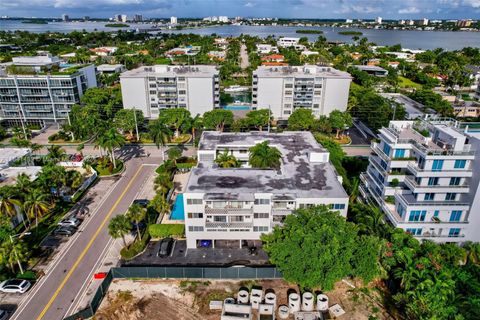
x,y
57,290
244,62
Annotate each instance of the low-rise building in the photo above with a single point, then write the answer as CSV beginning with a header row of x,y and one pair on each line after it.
x,y
264,48
424,176
474,75
104,51
40,90
154,88
373,70
234,206
286,42
283,89
466,109
111,68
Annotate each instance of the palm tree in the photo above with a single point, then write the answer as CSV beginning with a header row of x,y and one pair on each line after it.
x,y
36,205
110,141
160,134
371,220
23,184
9,202
264,157
163,183
226,160
12,252
136,214
80,148
56,153
174,153
119,227
194,124
160,204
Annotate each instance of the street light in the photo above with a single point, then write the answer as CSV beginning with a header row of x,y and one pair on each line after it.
x,y
15,250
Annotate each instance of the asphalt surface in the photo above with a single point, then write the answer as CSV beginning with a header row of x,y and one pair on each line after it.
x,y
52,295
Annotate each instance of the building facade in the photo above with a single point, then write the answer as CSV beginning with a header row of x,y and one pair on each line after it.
x,y
151,89
234,206
31,92
421,175
283,89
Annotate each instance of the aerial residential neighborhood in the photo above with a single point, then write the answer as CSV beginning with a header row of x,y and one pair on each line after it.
x,y
236,160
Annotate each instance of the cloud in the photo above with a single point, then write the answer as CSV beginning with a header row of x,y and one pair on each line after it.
x,y
472,3
409,10
249,5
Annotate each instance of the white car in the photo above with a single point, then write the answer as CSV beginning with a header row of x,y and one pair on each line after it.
x,y
70,222
15,286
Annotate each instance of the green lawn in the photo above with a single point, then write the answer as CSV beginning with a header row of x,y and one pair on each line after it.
x,y
407,83
166,230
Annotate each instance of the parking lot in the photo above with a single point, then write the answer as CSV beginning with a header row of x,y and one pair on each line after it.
x,y
181,256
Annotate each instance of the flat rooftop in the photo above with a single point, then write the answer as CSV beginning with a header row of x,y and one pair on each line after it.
x,y
370,68
298,177
8,176
11,154
413,108
301,71
169,71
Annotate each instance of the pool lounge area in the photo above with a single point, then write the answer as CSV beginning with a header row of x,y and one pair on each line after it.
x,y
234,107
178,210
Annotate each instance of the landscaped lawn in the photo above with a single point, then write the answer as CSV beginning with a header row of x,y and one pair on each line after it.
x,y
407,83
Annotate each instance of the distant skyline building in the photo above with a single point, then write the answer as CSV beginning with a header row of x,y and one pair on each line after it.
x,y
378,20
137,18
173,20
223,19
65,17
348,20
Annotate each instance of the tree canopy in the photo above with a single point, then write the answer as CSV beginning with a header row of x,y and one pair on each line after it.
x,y
263,156
317,247
217,119
301,119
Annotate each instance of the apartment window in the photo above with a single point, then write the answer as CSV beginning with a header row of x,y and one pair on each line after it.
x,y
182,92
455,181
450,196
386,149
436,213
318,85
181,78
400,153
287,112
194,201
289,92
195,228
153,85
260,229
220,218
414,231
417,215
288,85
429,196
195,215
383,164
306,205
418,180
455,215
400,210
316,106
153,92
339,206
460,164
261,215
437,165
262,201
237,218
433,181
454,232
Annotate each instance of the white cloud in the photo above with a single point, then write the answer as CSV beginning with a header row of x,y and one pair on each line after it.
x,y
409,10
249,5
472,3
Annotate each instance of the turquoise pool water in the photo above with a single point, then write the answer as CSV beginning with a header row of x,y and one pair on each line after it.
x,y
235,107
178,211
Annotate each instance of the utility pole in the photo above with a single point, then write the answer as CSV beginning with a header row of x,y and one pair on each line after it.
x,y
136,124
269,116
70,124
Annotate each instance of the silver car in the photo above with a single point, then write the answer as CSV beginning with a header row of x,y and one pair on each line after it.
x,y
70,222
15,286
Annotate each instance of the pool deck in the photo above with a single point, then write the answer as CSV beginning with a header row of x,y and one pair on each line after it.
x,y
179,182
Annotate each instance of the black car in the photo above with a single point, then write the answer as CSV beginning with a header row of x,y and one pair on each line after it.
x,y
65,231
141,202
165,248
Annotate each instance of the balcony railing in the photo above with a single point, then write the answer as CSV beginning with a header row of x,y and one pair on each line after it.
x,y
410,182
228,210
409,200
222,225
416,170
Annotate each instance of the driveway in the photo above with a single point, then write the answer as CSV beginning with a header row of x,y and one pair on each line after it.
x,y
244,63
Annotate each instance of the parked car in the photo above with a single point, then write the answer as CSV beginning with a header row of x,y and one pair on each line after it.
x,y
165,248
142,202
66,231
4,314
70,222
15,286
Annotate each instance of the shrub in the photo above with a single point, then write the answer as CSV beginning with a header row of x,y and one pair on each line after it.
x,y
27,275
394,183
135,248
166,230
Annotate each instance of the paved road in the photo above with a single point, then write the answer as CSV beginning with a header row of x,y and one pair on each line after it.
x,y
244,63
53,294
357,151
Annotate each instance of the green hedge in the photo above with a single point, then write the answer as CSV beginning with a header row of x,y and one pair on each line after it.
x,y
135,248
166,230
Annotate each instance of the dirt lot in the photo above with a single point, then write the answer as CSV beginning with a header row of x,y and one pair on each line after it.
x,y
189,300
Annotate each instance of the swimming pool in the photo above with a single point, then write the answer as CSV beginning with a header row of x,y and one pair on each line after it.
x,y
235,107
178,211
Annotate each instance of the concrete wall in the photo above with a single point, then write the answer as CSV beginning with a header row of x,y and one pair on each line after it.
x,y
335,95
135,94
200,93
270,93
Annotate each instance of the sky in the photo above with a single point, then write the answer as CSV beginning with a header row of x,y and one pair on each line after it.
x,y
321,9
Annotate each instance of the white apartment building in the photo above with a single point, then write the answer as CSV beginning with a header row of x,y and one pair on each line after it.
x,y
286,42
223,19
264,48
236,205
378,20
283,89
173,20
154,88
30,91
425,175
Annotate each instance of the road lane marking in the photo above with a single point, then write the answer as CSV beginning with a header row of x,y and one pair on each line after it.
x,y
84,252
60,256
